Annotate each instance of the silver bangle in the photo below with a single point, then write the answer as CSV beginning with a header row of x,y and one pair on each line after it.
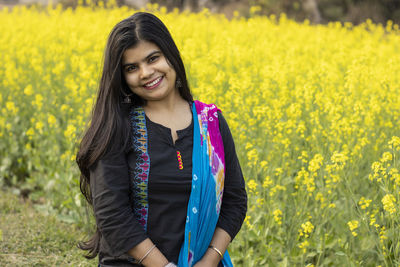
x,y
147,253
171,264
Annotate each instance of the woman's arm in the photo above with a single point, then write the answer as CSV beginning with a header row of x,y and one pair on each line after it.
x,y
220,241
113,212
234,200
109,185
152,255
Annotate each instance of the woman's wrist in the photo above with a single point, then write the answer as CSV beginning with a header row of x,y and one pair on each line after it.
x,y
217,251
211,257
146,254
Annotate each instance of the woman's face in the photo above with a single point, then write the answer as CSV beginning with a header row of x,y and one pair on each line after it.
x,y
148,73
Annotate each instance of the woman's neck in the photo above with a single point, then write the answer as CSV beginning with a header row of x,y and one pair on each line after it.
x,y
175,114
168,106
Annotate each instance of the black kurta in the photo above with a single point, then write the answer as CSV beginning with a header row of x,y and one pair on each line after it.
x,y
168,195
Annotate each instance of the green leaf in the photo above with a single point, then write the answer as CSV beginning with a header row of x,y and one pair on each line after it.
x,y
311,254
340,253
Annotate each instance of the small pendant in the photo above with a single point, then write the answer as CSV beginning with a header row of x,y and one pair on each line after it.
x,y
178,155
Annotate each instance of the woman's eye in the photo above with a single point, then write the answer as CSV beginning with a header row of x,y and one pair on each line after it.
x,y
153,58
130,68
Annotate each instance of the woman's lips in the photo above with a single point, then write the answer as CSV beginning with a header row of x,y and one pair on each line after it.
x,y
153,84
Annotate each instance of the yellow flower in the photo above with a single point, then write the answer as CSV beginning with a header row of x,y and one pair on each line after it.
x,y
39,125
306,229
277,216
315,163
353,225
304,178
388,202
304,245
51,120
10,106
339,160
267,181
395,142
38,102
254,10
263,164
382,233
320,197
247,221
64,107
70,131
387,156
278,171
30,133
252,185
304,156
28,90
364,203
252,156
276,188
260,202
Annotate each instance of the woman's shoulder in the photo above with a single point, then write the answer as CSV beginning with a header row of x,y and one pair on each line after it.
x,y
211,106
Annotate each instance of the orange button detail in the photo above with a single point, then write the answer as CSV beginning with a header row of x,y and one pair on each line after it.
x,y
180,163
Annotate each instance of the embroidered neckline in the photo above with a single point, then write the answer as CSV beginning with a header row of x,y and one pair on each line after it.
x,y
142,168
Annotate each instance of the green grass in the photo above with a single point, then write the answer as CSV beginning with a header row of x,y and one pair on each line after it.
x,y
30,238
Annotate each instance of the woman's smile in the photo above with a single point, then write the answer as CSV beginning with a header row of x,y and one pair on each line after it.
x,y
153,84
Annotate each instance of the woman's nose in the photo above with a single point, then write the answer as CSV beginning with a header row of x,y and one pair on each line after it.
x,y
146,71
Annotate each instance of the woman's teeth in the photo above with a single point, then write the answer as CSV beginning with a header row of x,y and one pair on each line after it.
x,y
153,82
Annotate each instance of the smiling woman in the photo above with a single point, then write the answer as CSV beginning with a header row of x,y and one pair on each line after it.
x,y
159,169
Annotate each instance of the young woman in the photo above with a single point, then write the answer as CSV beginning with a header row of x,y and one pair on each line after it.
x,y
159,169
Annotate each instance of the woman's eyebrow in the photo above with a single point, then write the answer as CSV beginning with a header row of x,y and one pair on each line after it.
x,y
145,59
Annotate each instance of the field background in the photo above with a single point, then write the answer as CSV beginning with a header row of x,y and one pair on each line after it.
x,y
314,111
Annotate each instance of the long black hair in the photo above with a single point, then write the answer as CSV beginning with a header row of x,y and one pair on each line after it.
x,y
109,127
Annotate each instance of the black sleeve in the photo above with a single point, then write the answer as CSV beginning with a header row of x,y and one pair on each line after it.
x,y
234,200
109,185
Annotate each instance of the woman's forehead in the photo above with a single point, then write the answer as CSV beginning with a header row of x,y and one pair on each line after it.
x,y
139,52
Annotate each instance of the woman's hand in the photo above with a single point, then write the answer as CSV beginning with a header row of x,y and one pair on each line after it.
x,y
149,254
210,259
204,263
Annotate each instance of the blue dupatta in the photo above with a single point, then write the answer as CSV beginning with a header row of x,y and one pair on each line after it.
x,y
208,174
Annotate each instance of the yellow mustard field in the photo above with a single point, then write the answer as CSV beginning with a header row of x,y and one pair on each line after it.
x,y
314,111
